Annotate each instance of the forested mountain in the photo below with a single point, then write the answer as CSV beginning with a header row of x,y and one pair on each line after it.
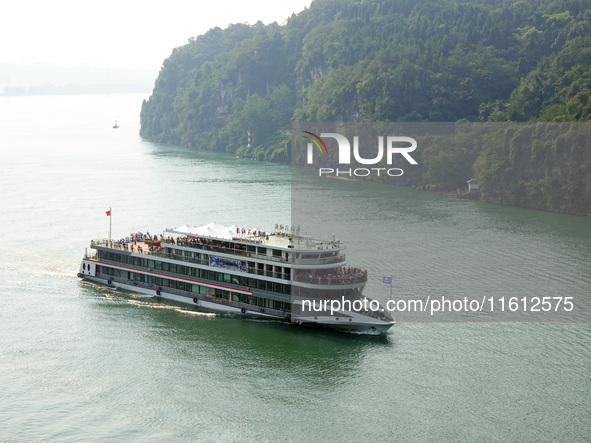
x,y
390,60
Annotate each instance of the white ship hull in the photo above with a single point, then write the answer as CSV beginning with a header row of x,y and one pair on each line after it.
x,y
348,321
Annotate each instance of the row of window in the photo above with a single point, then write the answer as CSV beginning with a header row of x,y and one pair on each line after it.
x,y
198,289
269,270
221,277
253,300
228,247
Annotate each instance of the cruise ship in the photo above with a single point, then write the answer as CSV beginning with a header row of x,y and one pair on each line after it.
x,y
279,275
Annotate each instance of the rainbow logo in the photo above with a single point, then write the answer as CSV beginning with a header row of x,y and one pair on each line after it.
x,y
318,139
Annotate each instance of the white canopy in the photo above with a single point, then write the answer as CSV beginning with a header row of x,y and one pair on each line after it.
x,y
213,229
185,228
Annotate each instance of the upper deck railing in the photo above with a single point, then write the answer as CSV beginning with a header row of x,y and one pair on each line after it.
x,y
339,258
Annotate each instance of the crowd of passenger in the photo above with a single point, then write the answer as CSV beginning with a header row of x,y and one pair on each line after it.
x,y
206,243
135,240
343,275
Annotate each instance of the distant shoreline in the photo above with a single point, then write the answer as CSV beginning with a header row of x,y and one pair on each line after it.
x,y
50,89
48,79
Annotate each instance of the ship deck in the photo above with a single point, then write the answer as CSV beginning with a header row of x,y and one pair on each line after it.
x,y
273,240
157,249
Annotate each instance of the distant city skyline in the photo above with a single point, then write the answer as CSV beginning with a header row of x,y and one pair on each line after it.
x,y
132,34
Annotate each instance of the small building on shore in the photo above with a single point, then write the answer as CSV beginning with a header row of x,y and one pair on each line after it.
x,y
472,185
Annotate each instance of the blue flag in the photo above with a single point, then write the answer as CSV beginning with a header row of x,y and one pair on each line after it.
x,y
387,280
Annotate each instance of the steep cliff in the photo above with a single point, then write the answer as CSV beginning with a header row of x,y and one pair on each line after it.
x,y
384,60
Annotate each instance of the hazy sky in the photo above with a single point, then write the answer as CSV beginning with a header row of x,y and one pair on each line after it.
x,y
123,33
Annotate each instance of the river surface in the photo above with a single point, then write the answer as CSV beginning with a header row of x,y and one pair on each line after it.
x,y
79,362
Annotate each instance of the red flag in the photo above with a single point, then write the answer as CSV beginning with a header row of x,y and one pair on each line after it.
x,y
108,213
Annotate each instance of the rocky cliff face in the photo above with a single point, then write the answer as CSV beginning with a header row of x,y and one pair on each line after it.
x,y
226,98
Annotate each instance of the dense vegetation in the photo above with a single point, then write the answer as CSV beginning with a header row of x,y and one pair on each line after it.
x,y
396,61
